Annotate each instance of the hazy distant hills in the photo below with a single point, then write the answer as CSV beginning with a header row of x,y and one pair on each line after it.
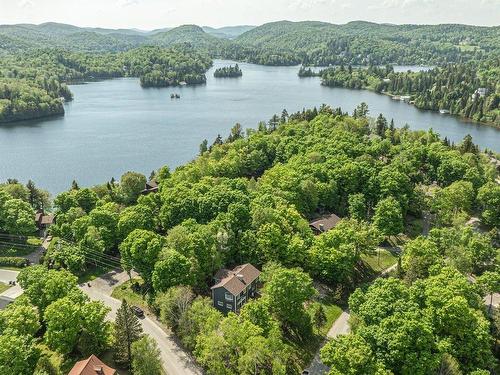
x,y
282,42
25,36
228,32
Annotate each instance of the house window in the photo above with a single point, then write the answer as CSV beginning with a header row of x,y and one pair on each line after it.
x,y
230,307
220,303
228,296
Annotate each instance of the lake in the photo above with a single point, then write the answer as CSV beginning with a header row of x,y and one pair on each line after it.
x,y
114,126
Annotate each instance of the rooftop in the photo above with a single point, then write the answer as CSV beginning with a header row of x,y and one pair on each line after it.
x,y
237,279
325,223
91,366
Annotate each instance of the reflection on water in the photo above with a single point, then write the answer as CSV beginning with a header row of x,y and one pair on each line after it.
x,y
114,126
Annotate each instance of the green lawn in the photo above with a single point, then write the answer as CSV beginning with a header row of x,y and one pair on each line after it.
x,y
332,313
93,273
380,261
306,349
125,292
3,287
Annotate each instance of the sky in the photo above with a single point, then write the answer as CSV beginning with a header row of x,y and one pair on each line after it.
x,y
153,14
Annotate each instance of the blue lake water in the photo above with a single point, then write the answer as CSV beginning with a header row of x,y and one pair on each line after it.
x,y
114,126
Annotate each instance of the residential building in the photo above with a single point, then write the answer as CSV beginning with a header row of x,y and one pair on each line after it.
x,y
324,223
151,187
92,366
43,222
480,92
234,287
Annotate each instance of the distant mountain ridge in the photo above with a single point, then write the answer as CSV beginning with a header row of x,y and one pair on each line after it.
x,y
276,43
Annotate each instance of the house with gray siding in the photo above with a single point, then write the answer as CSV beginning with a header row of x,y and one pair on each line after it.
x,y
234,287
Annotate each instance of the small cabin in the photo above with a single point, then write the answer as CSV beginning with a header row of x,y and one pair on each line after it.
x,y
324,223
43,222
150,187
234,287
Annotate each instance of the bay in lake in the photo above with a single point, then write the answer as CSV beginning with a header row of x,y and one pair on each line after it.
x,y
114,126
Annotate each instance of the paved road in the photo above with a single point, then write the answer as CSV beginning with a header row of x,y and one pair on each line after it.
x,y
8,275
175,360
12,293
341,326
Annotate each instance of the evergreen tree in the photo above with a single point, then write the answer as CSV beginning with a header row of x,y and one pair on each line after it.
x,y
203,147
74,185
127,330
284,116
381,125
33,193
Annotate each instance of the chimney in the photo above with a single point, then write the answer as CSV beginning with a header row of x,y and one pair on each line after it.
x,y
98,370
322,227
240,277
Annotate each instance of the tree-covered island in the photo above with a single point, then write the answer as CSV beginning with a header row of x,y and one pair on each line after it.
x,y
228,72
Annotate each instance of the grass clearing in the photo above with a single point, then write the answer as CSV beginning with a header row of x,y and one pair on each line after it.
x,y
93,273
131,294
307,349
332,313
380,261
3,287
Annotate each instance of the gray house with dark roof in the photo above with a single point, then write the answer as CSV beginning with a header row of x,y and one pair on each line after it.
x,y
234,287
324,223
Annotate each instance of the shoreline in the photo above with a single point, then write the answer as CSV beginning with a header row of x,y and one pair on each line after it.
x,y
464,119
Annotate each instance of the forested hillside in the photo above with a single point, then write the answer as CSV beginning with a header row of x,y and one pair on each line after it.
x,y
33,83
280,43
22,37
362,43
249,199
470,90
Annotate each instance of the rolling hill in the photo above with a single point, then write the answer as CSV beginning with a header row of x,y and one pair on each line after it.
x,y
277,43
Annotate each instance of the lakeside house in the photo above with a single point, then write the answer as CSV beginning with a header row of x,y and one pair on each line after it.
x,y
234,287
324,223
481,92
150,187
43,222
92,366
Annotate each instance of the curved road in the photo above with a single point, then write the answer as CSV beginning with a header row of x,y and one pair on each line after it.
x,y
175,360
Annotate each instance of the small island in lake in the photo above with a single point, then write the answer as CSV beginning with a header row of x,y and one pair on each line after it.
x,y
307,72
228,72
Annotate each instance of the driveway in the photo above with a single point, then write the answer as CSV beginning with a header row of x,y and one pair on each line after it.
x,y
175,360
13,292
340,327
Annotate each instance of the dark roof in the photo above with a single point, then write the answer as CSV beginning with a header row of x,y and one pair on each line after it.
x,y
151,187
236,280
325,223
91,366
222,274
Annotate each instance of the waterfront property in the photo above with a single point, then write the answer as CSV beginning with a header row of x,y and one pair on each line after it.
x,y
324,223
234,287
149,130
